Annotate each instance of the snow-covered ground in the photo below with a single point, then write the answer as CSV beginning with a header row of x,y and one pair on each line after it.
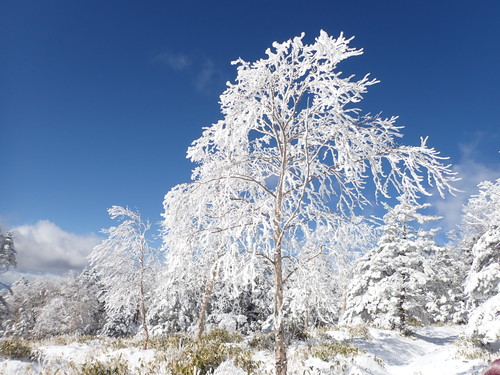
x,y
431,351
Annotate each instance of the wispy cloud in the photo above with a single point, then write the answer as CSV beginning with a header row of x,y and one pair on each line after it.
x,y
46,248
201,71
175,61
206,75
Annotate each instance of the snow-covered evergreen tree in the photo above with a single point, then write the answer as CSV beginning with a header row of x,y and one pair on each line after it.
x,y
483,287
481,223
445,271
387,290
7,252
7,261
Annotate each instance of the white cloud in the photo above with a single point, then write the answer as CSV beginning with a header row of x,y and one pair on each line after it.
x,y
46,248
175,61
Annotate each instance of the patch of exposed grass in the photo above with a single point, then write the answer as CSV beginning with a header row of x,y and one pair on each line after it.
x,y
15,348
262,341
329,351
206,354
471,349
359,331
113,367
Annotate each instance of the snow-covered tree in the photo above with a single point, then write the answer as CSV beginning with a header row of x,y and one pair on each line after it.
x,y
73,307
51,306
483,281
390,281
445,271
123,263
7,261
315,292
482,211
482,287
7,252
481,222
204,245
292,146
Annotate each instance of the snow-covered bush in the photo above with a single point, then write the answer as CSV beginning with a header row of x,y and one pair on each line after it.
x,y
484,322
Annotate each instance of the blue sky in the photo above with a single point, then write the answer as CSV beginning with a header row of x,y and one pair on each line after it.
x,y
100,100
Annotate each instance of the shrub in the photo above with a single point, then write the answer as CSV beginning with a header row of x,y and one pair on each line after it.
x,y
329,351
359,331
15,349
262,341
470,349
173,341
209,352
298,333
223,335
115,367
414,322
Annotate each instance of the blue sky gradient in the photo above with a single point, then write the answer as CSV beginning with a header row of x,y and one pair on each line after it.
x,y
100,100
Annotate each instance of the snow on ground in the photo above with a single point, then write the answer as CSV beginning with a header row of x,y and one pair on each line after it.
x,y
431,351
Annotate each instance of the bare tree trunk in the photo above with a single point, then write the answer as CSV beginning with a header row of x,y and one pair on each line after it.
x,y
401,309
306,317
279,329
143,316
206,299
143,302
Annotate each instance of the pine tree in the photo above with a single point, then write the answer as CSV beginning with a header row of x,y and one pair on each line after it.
x,y
481,224
387,288
7,261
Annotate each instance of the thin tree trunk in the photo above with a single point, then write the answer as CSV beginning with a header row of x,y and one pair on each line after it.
x,y
206,299
143,303
143,316
401,310
279,329
306,317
